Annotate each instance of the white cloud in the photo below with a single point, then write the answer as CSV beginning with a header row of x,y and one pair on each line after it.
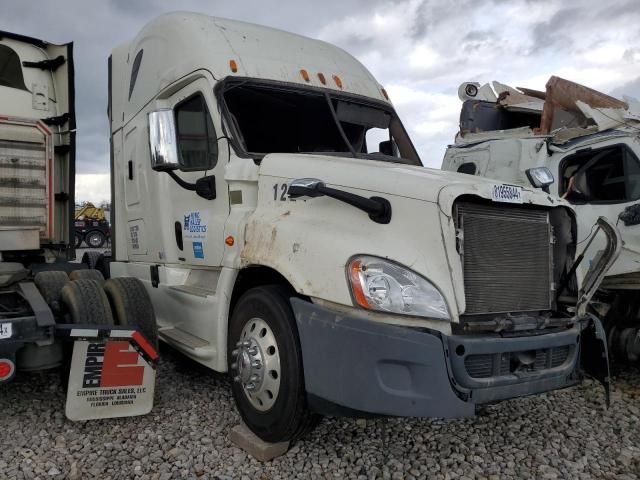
x,y
92,187
420,49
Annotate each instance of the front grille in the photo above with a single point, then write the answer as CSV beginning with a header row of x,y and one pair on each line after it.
x,y
488,365
506,256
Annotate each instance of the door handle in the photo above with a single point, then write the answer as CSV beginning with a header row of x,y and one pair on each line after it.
x,y
178,231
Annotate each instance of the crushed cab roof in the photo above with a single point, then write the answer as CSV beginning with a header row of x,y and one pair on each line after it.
x,y
564,111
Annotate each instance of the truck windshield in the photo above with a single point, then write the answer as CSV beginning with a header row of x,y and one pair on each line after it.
x,y
269,118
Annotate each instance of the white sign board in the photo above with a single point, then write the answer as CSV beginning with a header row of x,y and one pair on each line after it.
x,y
108,379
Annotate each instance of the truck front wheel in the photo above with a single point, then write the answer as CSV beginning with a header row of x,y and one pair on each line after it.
x,y
265,362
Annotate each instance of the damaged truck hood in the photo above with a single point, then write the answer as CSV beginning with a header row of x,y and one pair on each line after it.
x,y
417,182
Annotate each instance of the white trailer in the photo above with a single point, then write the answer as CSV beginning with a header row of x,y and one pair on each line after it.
x,y
268,197
55,313
584,147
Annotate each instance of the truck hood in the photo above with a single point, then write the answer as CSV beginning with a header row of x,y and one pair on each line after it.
x,y
420,183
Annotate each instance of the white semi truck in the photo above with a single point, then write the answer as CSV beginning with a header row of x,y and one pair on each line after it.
x,y
270,200
55,312
578,144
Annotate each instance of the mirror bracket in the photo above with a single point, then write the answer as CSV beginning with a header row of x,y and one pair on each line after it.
x,y
206,187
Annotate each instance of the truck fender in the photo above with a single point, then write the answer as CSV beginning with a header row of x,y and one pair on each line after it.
x,y
594,355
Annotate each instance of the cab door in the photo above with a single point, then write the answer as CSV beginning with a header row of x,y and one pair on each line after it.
x,y
198,223
605,182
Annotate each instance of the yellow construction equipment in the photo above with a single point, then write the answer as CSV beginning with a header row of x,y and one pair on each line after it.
x,y
89,210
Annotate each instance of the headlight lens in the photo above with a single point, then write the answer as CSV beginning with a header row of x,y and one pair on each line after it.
x,y
385,286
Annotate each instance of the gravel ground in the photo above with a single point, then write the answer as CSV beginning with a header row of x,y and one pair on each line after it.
x,y
565,434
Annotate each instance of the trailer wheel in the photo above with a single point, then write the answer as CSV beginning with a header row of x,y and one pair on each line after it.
x,y
50,285
87,274
90,259
102,265
86,302
265,361
78,240
95,239
132,306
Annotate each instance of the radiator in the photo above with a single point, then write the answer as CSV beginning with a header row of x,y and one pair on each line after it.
x,y
507,256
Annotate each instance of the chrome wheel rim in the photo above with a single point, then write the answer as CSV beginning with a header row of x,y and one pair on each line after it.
x,y
256,364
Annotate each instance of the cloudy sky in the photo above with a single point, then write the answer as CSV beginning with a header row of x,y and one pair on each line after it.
x,y
421,50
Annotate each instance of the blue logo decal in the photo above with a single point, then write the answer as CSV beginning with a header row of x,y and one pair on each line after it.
x,y
193,223
198,252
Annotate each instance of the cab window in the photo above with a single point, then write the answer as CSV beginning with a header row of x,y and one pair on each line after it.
x,y
604,175
135,69
197,144
10,69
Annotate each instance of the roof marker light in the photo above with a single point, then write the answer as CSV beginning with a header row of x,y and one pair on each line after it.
x,y
322,79
384,92
304,74
233,66
336,79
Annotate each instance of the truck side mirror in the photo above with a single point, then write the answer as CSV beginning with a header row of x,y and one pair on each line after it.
x,y
540,177
162,141
386,148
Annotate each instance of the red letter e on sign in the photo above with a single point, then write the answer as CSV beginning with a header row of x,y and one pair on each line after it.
x,y
120,366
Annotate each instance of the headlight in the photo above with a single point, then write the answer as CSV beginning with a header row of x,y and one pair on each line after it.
x,y
385,286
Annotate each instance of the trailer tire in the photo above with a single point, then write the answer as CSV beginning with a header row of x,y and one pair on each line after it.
x,y
95,239
78,240
86,302
90,259
87,274
264,314
50,284
131,306
103,265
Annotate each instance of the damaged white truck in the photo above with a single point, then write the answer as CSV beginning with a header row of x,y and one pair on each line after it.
x,y
55,313
268,197
575,143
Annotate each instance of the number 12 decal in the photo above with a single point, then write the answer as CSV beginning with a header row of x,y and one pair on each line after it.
x,y
280,190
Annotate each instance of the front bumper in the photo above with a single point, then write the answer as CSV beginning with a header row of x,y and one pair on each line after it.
x,y
356,365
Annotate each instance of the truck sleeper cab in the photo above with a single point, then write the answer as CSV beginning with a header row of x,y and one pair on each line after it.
x,y
268,197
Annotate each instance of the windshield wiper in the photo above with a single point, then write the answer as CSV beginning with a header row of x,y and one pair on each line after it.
x,y
340,129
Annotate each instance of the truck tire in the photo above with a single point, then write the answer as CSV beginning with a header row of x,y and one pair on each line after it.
x,y
95,239
86,302
90,259
131,306
78,240
50,285
87,275
265,362
103,265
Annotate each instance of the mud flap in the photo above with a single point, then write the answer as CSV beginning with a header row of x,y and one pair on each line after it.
x,y
594,356
112,372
